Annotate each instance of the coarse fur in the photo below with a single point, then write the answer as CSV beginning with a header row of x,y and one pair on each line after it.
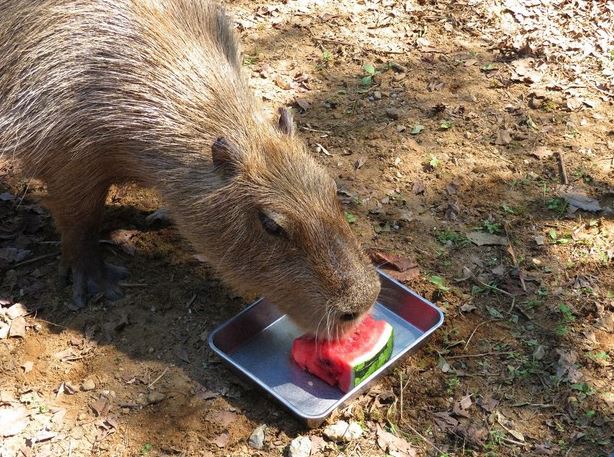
x,y
97,92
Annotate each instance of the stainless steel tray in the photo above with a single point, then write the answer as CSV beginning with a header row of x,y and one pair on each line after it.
x,y
257,341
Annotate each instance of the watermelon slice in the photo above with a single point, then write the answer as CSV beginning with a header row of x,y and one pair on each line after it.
x,y
348,361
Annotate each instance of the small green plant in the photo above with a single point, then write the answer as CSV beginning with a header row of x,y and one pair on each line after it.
x,y
445,125
43,409
249,60
369,72
452,384
558,205
447,237
416,129
491,226
567,317
489,67
350,218
583,389
509,209
434,162
439,282
327,56
146,449
558,239
600,355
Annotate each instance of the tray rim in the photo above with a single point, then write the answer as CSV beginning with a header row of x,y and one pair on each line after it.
x,y
417,343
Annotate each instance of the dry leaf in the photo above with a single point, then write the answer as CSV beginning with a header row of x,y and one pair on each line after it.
x,y
303,104
582,201
394,445
221,440
504,137
397,262
222,418
487,403
487,239
27,366
418,187
542,152
282,83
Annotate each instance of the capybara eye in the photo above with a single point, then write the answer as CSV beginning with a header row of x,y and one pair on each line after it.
x,y
270,226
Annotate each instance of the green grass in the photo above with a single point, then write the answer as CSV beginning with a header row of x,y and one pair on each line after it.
x,y
452,237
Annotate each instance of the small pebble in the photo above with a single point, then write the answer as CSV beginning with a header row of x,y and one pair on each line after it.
x,y
392,114
88,385
377,95
342,431
155,397
300,447
256,439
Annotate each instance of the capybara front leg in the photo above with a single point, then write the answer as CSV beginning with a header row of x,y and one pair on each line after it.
x,y
78,215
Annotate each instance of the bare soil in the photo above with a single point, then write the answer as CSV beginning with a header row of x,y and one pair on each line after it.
x,y
439,120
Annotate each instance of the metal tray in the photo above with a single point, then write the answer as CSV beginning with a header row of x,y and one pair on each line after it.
x,y
256,343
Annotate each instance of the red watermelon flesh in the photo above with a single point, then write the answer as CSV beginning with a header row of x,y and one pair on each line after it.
x,y
348,361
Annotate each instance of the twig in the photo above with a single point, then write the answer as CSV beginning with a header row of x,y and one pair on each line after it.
x,y
562,170
512,253
35,259
309,129
483,354
133,284
424,438
157,379
490,286
50,323
475,330
191,301
509,311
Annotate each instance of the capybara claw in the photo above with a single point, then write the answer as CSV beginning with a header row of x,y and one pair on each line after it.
x,y
88,283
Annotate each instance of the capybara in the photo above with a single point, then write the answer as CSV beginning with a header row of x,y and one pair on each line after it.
x,y
98,92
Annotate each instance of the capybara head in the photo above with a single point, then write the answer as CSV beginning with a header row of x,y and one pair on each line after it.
x,y
281,232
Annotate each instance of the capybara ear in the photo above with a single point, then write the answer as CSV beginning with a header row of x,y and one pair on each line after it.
x,y
286,124
224,157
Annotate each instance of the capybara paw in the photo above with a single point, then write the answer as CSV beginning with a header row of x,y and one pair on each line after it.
x,y
89,282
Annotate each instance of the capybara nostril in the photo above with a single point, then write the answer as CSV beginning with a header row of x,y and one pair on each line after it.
x,y
348,317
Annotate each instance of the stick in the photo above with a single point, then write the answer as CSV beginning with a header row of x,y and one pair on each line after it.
x,y
483,354
562,170
490,286
474,330
425,439
354,45
158,378
512,253
35,259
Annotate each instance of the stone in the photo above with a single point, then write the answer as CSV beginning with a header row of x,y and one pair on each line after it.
x,y
300,447
88,385
256,439
342,431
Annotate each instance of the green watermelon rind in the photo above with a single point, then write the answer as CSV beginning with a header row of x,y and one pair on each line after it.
x,y
373,362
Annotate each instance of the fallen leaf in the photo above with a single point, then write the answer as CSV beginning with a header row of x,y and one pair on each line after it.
x,y
418,187
27,366
582,201
303,104
487,403
452,188
394,445
102,406
359,163
282,83
504,137
487,239
470,62
221,440
539,352
474,433
343,431
222,418
182,353
397,262
573,104
445,421
542,152
416,129
18,327
13,419
460,407
566,367
467,308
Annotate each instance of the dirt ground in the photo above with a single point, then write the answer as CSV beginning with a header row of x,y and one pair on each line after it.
x,y
444,124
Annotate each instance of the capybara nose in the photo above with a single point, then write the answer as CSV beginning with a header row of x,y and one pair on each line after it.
x,y
348,317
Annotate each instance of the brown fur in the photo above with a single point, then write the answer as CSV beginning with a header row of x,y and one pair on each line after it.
x,y
96,92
